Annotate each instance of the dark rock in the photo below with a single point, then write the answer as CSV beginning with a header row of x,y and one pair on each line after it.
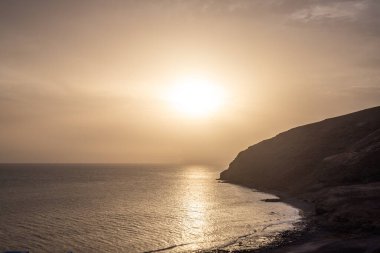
x,y
334,164
271,200
336,151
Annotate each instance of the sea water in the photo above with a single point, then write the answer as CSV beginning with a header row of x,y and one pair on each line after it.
x,y
132,208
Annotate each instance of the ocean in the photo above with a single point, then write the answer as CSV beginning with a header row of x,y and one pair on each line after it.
x,y
132,208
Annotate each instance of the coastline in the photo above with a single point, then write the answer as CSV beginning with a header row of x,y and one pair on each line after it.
x,y
311,234
332,164
301,230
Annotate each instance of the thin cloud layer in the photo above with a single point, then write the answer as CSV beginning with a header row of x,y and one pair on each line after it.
x,y
341,10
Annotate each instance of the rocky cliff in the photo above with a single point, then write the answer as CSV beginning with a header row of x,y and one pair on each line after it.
x,y
337,151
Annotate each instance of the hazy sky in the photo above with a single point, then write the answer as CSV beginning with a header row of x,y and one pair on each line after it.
x,y
83,81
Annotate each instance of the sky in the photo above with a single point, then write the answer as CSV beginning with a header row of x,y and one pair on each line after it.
x,y
86,81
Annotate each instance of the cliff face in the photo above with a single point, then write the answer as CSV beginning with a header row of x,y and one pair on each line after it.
x,y
337,151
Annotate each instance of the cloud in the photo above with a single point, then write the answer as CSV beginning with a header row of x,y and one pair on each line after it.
x,y
341,10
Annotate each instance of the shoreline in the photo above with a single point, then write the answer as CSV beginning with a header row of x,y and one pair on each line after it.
x,y
301,228
333,164
310,235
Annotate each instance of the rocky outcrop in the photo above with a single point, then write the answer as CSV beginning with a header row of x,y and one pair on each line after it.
x,y
334,164
337,151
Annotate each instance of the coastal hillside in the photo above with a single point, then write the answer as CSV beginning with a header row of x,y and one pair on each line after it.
x,y
343,150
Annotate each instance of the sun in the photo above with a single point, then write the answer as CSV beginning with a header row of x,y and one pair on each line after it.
x,y
196,96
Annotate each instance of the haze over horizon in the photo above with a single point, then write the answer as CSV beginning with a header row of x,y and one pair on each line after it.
x,y
87,81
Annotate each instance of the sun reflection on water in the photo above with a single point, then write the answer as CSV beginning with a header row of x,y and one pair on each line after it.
x,y
194,198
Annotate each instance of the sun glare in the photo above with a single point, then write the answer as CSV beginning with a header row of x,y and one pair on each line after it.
x,y
196,97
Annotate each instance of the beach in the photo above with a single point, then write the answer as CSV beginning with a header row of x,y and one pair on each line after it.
x,y
317,232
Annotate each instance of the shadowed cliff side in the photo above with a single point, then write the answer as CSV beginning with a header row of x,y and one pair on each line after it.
x,y
337,151
334,165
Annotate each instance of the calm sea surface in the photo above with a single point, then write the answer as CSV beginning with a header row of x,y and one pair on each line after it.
x,y
131,208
